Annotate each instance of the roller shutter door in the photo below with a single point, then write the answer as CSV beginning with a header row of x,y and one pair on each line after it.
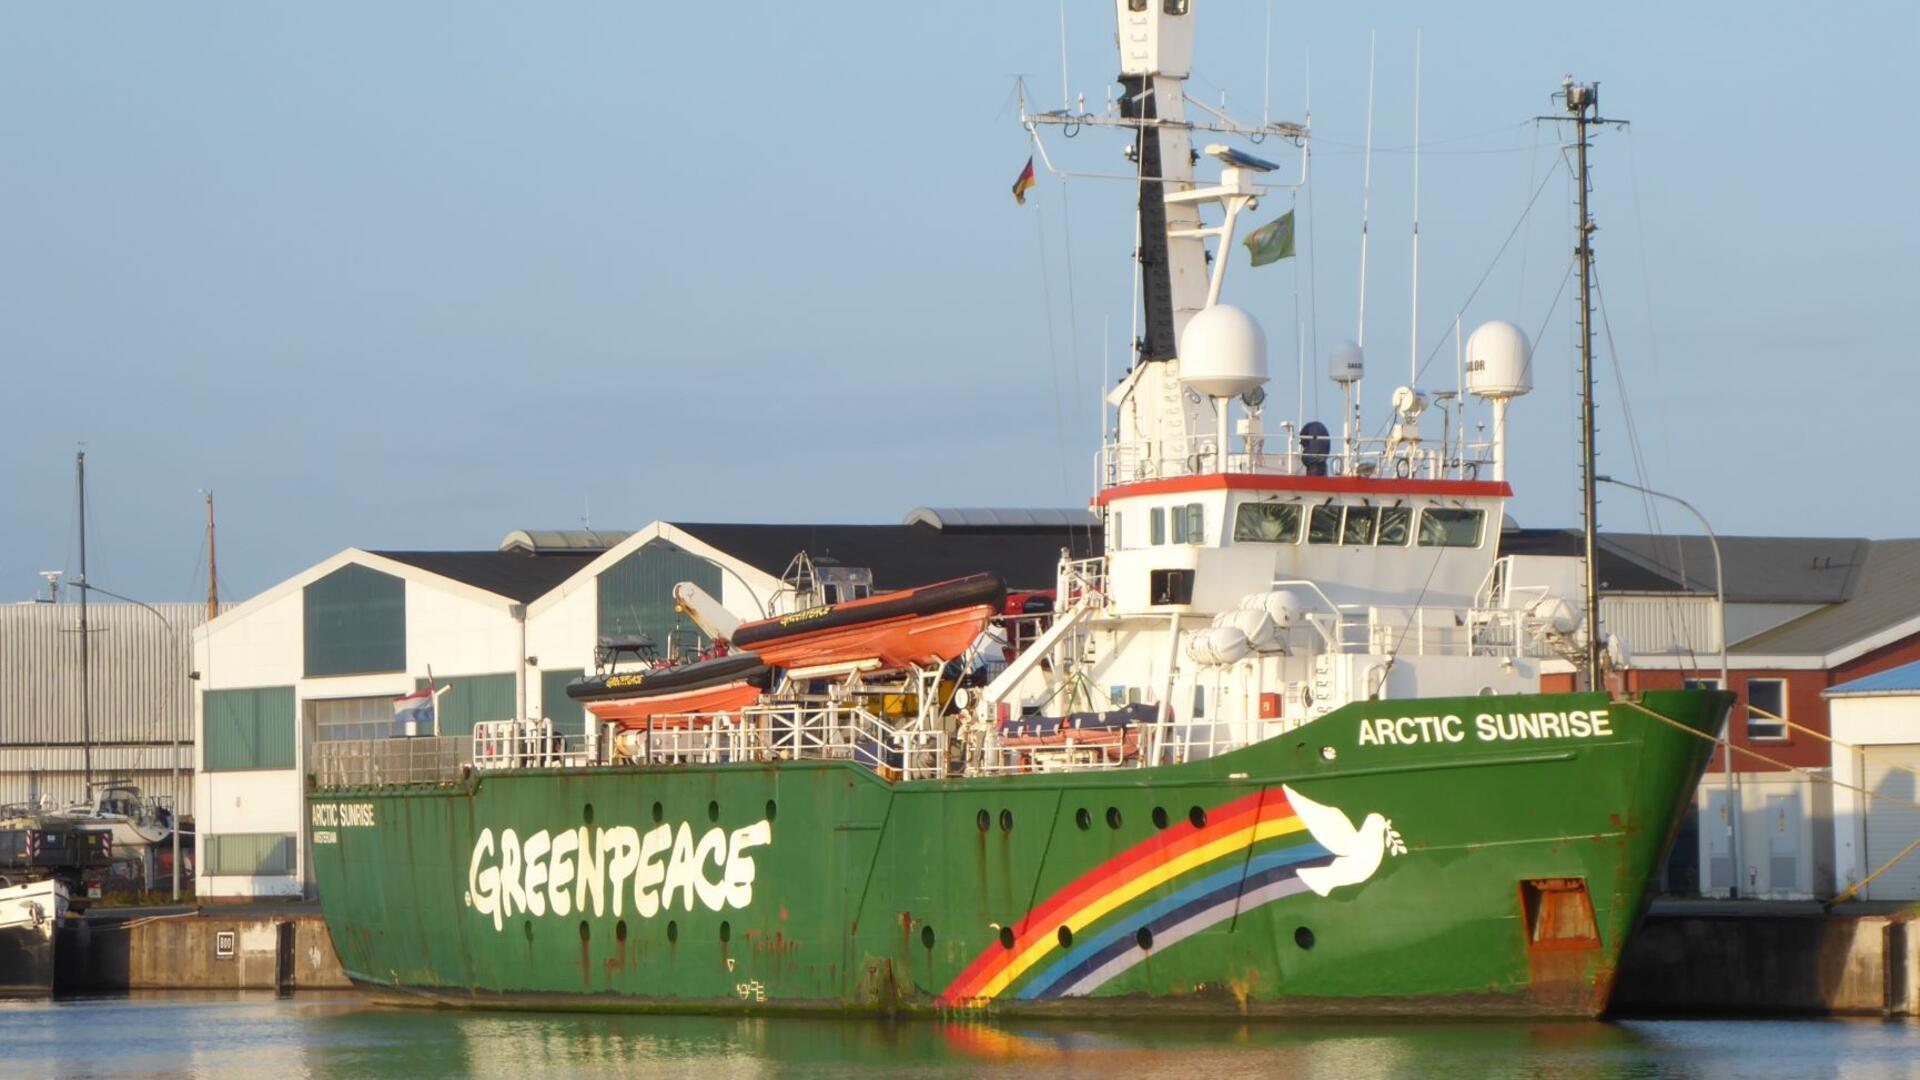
x,y
1891,825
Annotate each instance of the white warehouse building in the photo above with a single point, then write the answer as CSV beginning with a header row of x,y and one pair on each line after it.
x,y
499,635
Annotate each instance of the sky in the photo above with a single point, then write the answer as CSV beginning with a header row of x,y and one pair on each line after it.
x,y
414,276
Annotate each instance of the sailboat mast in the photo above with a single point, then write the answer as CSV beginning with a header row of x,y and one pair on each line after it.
x,y
213,573
86,641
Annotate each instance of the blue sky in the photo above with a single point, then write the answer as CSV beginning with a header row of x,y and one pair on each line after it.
x,y
412,276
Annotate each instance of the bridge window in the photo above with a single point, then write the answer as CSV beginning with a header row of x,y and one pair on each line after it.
x,y
1157,521
1266,523
1396,526
1190,524
1360,523
1174,7
1323,525
1443,527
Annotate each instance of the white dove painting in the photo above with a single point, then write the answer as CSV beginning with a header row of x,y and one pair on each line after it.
x,y
1357,852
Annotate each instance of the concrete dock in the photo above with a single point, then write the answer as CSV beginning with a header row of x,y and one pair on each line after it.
x,y
267,947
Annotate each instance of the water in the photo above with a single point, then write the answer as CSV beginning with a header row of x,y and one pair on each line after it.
x,y
232,1035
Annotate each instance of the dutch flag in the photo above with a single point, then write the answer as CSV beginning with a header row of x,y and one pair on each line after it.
x,y
413,713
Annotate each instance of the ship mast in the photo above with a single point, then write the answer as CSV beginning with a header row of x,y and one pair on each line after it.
x,y
1583,105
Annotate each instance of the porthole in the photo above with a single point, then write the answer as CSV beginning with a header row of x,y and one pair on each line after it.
x,y
586,931
527,927
620,931
586,814
1303,937
1113,817
926,936
1159,817
773,810
713,811
673,930
726,931
1006,937
1066,938
1144,938
1083,818
984,820
1197,817
1006,821
659,813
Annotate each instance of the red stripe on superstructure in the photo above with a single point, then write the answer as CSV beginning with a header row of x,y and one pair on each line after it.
x,y
1159,848
1332,485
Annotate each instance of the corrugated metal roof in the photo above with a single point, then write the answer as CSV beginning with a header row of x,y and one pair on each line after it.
x,y
989,517
1887,594
1904,679
1759,569
903,556
516,575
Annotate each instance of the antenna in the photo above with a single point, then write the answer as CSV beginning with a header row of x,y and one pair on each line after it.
x,y
1413,326
1366,192
213,573
53,585
1066,95
1266,72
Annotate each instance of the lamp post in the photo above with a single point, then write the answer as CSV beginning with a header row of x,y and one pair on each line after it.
x,y
1720,600
173,826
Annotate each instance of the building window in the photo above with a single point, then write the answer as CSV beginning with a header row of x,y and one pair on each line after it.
x,y
1266,523
338,719
466,700
251,854
1157,519
355,623
1323,525
1766,700
1700,684
1441,527
247,729
635,595
566,715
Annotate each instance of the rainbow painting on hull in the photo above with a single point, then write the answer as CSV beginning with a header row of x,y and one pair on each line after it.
x,y
1230,860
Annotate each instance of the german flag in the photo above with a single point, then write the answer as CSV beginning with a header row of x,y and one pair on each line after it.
x,y
1024,184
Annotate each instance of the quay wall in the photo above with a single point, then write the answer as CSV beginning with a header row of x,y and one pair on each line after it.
x,y
1761,964
200,952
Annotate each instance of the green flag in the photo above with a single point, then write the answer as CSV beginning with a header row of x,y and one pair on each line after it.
x,y
1273,241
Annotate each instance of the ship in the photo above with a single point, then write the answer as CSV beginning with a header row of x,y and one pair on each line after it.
x,y
1278,751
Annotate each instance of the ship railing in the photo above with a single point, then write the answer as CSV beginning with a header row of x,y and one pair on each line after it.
x,y
1081,581
420,759
1278,454
526,744
1406,630
784,732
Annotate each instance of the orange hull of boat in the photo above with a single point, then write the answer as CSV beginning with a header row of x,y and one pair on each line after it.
x,y
895,643
637,712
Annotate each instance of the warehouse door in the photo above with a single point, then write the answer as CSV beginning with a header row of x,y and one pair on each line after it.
x,y
1893,822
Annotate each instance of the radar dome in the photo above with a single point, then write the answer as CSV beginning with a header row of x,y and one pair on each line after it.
x,y
1347,364
1223,352
1499,361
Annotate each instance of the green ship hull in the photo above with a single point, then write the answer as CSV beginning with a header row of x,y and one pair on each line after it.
x,y
1432,857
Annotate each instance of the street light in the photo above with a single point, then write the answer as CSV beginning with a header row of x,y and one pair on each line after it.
x,y
1720,600
174,825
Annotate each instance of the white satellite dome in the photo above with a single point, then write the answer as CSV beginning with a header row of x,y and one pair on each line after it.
x,y
1223,352
1499,361
1347,363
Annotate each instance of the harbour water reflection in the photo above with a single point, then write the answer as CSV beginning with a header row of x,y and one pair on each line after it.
x,y
339,1035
